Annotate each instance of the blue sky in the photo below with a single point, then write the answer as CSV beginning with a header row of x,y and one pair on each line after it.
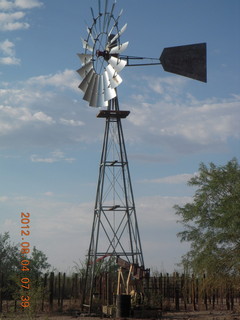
x,y
50,140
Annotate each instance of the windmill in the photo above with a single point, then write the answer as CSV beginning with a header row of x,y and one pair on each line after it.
x,y
115,232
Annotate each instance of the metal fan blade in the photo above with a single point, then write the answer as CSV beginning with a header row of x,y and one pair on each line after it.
x,y
117,63
91,35
116,22
94,97
94,20
88,94
84,84
86,45
111,14
120,48
100,14
188,61
105,14
85,58
109,93
114,78
100,99
85,69
92,13
119,34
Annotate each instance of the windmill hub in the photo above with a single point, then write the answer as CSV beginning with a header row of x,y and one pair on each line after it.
x,y
105,54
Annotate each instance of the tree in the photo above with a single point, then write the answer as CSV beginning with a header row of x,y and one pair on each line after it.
x,y
212,221
9,255
38,263
10,264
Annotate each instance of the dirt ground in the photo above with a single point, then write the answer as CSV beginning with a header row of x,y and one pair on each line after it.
x,y
201,315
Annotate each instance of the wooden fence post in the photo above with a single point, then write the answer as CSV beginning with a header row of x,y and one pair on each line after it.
x,y
177,305
160,284
193,293
1,295
63,290
205,292
43,292
51,291
59,289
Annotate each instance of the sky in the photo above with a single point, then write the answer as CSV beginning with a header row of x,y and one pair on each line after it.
x,y
51,140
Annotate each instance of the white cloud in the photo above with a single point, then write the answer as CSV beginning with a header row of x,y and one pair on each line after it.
x,y
51,108
10,21
40,116
55,156
49,194
169,85
6,5
62,80
71,122
23,4
3,199
180,178
16,117
7,49
28,4
10,61
182,122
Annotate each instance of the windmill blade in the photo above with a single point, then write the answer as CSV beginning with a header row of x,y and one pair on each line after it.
x,y
85,69
120,48
188,61
100,98
119,34
88,94
94,97
100,14
109,93
91,35
117,63
85,58
86,45
116,22
105,14
94,19
114,78
84,84
111,14
92,13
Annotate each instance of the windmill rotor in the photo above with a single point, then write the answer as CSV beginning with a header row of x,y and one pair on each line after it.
x,y
101,63
102,60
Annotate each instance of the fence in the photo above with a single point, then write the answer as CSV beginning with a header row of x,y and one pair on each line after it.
x,y
59,292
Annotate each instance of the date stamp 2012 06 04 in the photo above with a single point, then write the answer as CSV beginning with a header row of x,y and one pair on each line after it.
x,y
25,261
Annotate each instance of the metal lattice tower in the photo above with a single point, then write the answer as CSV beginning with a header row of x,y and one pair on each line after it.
x,y
115,220
115,230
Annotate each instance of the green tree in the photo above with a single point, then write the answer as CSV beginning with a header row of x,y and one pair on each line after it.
x,y
9,255
10,264
212,221
38,263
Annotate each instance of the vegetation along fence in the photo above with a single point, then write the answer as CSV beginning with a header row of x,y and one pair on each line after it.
x,y
61,292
